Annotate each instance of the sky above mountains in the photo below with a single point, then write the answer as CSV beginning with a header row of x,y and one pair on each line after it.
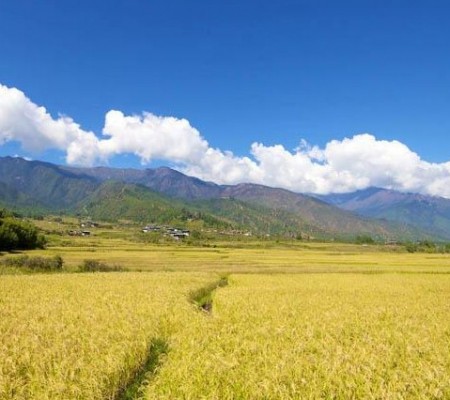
x,y
279,93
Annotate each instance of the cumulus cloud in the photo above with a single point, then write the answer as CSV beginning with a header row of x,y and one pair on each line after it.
x,y
341,166
152,137
23,121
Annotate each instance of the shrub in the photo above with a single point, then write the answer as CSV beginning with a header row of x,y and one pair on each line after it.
x,y
411,247
4,213
364,239
98,266
37,263
15,234
8,238
425,246
150,237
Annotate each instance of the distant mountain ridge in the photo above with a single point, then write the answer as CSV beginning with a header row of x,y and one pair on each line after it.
x,y
47,184
313,212
10,195
162,179
424,212
142,194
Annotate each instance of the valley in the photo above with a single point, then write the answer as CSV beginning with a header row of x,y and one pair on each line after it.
x,y
224,200
167,196
265,294
221,318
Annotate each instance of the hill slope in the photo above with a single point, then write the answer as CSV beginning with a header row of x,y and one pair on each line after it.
x,y
247,206
258,218
114,200
117,200
47,184
11,196
424,212
164,180
318,213
315,215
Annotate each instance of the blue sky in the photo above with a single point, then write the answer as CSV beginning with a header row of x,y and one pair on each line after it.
x,y
239,71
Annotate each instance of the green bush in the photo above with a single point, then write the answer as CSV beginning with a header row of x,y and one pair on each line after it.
x,y
364,239
411,247
4,213
8,238
19,235
98,266
425,246
150,237
36,263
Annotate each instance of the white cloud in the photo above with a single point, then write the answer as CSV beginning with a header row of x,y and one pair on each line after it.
x,y
23,121
342,165
152,137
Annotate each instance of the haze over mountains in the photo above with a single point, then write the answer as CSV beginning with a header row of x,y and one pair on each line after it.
x,y
163,194
425,212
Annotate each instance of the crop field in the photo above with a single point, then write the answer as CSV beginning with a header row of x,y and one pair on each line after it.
x,y
313,336
84,336
126,247
254,257
296,321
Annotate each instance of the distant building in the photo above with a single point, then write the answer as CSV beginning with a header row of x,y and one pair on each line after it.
x,y
391,243
176,233
89,224
151,228
79,233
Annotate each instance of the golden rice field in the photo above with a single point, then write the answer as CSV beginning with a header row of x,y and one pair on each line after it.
x,y
67,336
316,336
253,257
295,322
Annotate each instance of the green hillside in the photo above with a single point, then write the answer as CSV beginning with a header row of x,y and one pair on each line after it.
x,y
427,213
257,218
170,197
9,195
19,201
113,201
335,222
45,183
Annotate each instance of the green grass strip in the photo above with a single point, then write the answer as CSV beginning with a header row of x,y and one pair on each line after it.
x,y
202,297
157,348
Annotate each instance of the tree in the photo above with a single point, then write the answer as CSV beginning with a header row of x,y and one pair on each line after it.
x,y
8,238
364,239
16,234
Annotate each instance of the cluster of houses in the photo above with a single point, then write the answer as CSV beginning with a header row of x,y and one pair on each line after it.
x,y
89,224
175,233
84,231
79,233
232,232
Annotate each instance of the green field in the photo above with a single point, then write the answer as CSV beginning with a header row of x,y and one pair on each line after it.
x,y
296,321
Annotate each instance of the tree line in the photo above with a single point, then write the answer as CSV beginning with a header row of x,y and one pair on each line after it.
x,y
16,234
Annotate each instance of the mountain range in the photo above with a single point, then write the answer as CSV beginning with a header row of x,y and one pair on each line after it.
x,y
165,195
427,213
